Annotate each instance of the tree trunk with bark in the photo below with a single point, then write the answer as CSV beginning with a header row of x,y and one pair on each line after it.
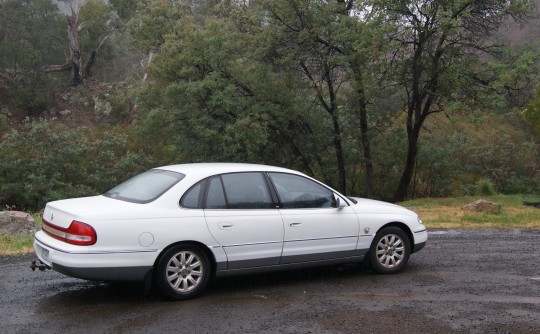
x,y
364,126
75,63
331,107
366,145
74,48
413,133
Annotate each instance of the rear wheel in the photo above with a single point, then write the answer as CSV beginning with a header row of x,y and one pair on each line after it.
x,y
390,250
183,272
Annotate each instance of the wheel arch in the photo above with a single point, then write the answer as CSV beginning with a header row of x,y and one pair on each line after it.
x,y
404,228
208,252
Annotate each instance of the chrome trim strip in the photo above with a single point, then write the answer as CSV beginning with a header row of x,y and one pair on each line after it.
x,y
296,240
314,239
254,244
421,231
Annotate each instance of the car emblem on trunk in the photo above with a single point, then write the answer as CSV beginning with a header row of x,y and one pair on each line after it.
x,y
52,216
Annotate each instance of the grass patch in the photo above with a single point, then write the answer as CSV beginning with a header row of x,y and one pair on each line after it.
x,y
11,245
447,212
14,245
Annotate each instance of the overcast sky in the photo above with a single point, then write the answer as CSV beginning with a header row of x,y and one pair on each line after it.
x,y
64,8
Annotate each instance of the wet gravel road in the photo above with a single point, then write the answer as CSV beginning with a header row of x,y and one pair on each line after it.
x,y
464,281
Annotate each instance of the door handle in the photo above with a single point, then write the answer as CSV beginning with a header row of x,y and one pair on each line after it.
x,y
294,223
225,226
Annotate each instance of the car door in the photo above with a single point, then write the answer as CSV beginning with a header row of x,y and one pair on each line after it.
x,y
315,229
242,217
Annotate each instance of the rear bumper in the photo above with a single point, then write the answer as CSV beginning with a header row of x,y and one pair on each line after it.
x,y
121,266
104,274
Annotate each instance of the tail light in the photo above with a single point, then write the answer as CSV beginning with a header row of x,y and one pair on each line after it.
x,y
76,234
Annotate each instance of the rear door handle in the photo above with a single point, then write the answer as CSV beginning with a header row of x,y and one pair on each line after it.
x,y
225,226
294,223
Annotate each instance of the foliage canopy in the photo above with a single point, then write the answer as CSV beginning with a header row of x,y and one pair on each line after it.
x,y
389,99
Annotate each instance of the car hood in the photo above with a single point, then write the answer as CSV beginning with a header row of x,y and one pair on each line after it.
x,y
364,205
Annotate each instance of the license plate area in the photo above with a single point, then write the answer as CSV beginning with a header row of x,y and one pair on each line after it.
x,y
44,252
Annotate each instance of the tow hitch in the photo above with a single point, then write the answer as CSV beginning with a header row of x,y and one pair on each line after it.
x,y
37,264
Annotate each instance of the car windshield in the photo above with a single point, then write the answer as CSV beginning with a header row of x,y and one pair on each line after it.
x,y
145,187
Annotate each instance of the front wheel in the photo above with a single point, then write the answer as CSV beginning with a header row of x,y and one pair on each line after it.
x,y
390,251
183,272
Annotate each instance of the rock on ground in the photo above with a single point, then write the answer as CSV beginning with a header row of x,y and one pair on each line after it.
x,y
482,205
16,223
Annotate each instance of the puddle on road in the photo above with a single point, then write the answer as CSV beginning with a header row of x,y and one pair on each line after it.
x,y
443,232
445,298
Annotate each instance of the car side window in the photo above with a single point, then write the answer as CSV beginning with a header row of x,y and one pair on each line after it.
x,y
295,191
246,191
191,199
216,197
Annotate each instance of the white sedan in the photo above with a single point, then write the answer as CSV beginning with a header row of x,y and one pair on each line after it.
x,y
181,225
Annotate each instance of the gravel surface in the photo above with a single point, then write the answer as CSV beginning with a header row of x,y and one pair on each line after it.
x,y
464,281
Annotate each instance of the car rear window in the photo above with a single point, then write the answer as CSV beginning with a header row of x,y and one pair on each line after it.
x,y
145,187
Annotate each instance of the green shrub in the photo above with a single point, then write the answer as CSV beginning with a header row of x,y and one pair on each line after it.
x,y
121,104
509,163
485,187
4,124
45,161
532,112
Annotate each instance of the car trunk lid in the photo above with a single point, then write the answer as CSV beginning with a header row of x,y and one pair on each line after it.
x,y
61,213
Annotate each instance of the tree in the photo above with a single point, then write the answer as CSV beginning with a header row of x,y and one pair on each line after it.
x,y
29,38
44,161
306,43
125,8
532,113
364,46
318,78
88,27
208,85
436,44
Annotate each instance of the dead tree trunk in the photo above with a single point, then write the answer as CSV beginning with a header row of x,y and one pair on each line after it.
x,y
73,64
75,61
74,48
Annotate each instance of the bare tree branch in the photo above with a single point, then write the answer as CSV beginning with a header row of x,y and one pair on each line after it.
x,y
57,68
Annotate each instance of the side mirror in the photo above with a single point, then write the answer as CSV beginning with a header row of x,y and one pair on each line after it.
x,y
338,203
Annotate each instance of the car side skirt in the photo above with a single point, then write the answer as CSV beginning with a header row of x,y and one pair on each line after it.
x,y
289,266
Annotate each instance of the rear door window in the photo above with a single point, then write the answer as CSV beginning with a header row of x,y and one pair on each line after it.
x,y
239,191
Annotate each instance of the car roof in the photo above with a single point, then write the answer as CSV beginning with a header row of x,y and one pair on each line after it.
x,y
212,168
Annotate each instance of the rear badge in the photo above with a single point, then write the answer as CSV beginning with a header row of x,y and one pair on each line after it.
x,y
52,217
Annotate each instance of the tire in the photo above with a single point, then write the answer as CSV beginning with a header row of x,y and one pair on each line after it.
x,y
183,272
390,251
